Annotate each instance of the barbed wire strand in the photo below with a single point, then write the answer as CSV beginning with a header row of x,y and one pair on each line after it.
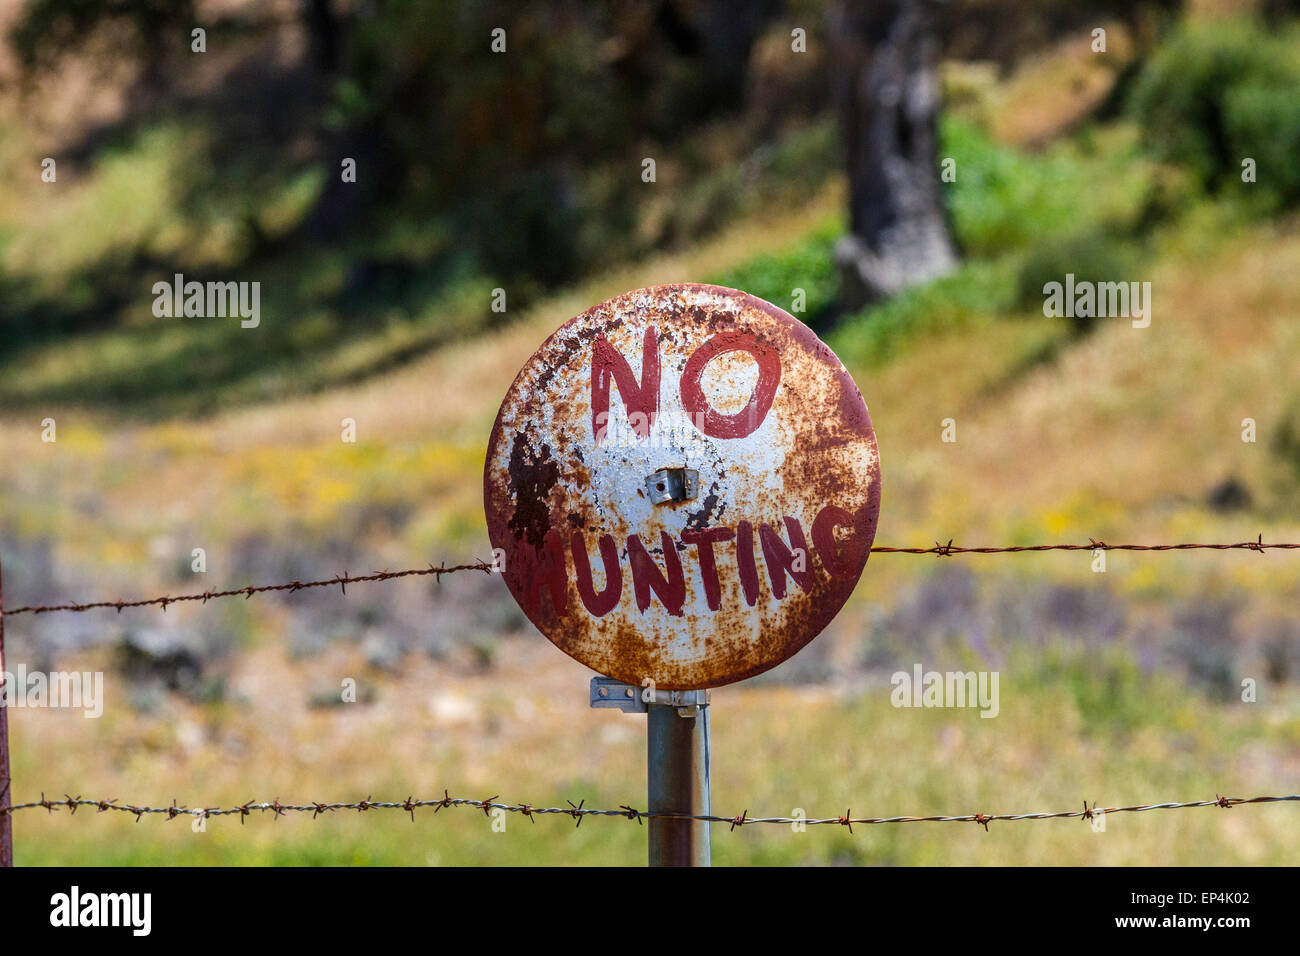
x,y
343,580
579,812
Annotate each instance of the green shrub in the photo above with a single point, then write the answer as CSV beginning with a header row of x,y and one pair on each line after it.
x,y
1003,199
1218,93
808,266
1265,123
1091,257
880,332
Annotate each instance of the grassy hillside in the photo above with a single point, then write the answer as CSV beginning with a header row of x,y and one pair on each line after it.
x,y
1093,442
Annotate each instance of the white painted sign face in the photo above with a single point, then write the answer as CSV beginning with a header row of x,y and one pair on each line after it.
x,y
684,484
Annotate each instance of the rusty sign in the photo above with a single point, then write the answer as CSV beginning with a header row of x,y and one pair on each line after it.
x,y
682,486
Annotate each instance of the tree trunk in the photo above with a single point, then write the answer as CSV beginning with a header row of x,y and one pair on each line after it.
x,y
887,56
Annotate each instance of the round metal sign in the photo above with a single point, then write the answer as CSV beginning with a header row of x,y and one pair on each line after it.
x,y
682,485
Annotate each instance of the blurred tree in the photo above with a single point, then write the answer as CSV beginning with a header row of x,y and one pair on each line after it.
x,y
524,166
887,90
49,28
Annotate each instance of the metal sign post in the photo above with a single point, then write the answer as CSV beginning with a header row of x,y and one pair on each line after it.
x,y
681,490
677,765
677,780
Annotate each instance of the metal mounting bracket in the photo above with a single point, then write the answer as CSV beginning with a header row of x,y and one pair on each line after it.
x,y
673,484
607,692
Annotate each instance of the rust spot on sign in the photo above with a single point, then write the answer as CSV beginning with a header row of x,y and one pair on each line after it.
x,y
533,474
689,594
